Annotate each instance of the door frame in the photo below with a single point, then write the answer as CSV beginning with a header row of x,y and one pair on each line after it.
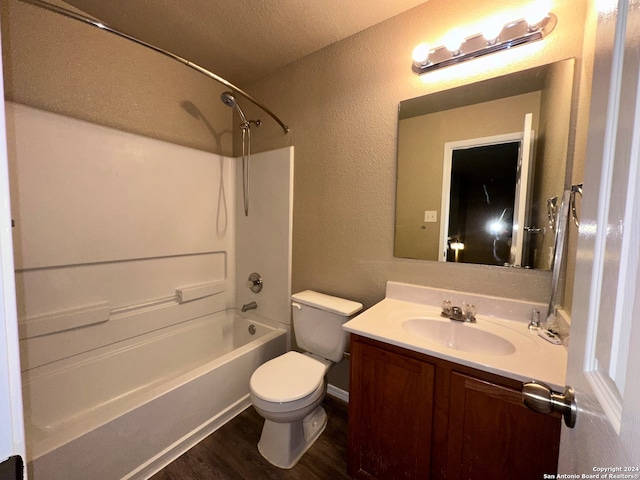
x,y
12,439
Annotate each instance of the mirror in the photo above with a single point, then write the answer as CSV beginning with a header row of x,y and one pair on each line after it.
x,y
489,159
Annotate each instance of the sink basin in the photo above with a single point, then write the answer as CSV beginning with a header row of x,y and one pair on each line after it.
x,y
459,336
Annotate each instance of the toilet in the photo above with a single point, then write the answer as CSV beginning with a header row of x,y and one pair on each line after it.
x,y
287,391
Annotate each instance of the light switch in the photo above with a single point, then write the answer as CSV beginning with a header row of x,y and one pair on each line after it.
x,y
430,216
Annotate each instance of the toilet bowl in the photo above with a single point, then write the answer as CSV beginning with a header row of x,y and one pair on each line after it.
x,y
288,390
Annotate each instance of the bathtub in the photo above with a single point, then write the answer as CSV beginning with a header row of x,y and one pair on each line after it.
x,y
128,410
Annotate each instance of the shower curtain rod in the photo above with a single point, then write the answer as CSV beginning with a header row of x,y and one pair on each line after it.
x,y
204,71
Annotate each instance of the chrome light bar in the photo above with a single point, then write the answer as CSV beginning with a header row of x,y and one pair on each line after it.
x,y
511,35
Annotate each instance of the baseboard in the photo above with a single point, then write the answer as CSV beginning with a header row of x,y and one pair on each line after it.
x,y
338,393
169,454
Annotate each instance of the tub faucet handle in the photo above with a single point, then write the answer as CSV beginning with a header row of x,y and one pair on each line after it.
x,y
254,283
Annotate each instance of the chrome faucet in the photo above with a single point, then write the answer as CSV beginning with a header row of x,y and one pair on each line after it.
x,y
465,314
456,314
249,306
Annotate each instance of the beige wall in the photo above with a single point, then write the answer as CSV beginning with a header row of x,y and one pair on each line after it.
x,y
341,104
578,150
552,148
63,66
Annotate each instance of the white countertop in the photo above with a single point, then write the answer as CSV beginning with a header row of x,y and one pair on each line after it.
x,y
533,359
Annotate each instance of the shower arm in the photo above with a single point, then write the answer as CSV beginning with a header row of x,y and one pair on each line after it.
x,y
184,61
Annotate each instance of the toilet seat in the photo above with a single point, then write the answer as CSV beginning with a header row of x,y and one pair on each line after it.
x,y
287,378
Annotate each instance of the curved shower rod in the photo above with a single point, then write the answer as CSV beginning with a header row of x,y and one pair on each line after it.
x,y
204,71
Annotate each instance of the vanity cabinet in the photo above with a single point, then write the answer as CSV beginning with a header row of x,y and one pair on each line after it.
x,y
413,416
392,419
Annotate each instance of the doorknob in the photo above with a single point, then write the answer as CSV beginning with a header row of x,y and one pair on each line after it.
x,y
539,398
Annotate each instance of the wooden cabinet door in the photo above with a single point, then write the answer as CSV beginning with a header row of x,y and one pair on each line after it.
x,y
492,435
390,410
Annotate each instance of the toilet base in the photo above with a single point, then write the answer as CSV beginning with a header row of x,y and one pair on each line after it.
x,y
283,444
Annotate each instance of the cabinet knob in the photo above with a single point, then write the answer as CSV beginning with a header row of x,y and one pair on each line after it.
x,y
540,398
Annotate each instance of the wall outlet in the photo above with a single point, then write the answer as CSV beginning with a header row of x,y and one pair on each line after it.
x,y
430,216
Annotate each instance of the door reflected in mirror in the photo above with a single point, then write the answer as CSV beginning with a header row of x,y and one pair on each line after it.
x,y
480,203
478,166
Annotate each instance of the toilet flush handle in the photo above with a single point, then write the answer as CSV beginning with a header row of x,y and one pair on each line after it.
x,y
297,305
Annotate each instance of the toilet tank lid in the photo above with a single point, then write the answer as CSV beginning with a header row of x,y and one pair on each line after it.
x,y
330,303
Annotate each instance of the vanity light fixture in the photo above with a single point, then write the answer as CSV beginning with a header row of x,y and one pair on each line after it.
x,y
510,35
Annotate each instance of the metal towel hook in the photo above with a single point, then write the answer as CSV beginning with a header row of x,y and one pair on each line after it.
x,y
574,214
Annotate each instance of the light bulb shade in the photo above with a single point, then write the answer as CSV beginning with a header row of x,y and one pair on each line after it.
x,y
491,30
537,12
453,41
421,53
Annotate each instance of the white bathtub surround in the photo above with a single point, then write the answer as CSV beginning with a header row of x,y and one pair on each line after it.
x,y
66,320
108,218
264,238
528,358
194,292
84,193
126,252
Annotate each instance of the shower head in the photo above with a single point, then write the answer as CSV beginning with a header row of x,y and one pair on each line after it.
x,y
230,101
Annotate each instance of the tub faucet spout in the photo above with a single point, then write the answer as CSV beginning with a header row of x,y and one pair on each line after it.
x,y
249,306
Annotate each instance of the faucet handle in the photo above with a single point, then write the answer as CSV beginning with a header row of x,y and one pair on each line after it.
x,y
469,312
446,308
534,324
254,283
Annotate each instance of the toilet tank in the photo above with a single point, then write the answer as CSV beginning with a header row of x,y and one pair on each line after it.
x,y
318,320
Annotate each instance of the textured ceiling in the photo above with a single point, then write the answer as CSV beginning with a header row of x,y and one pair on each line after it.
x,y
242,40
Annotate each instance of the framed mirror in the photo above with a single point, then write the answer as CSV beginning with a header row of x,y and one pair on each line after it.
x,y
481,169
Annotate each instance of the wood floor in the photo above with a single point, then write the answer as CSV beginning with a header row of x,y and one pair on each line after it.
x,y
231,453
